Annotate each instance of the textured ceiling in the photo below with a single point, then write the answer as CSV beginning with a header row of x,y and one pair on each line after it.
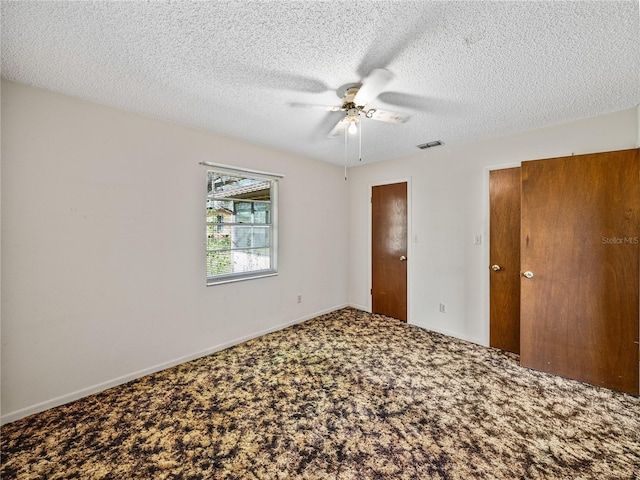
x,y
464,71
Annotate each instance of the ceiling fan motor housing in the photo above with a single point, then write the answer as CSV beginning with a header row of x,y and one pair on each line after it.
x,y
348,91
353,111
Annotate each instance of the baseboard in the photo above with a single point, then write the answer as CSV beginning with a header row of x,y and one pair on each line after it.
x,y
449,333
99,387
360,307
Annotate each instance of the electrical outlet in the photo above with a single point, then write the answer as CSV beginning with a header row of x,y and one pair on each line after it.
x,y
299,298
442,308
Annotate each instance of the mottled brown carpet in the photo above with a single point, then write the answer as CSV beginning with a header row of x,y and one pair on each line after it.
x,y
348,395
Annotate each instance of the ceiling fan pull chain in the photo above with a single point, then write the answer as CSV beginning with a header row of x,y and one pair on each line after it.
x,y
345,153
360,142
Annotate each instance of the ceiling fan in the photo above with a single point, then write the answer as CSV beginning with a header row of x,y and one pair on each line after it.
x,y
356,98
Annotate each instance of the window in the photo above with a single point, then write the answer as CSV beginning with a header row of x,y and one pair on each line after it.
x,y
241,226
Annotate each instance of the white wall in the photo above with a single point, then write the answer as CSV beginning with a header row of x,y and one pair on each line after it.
x,y
449,205
103,268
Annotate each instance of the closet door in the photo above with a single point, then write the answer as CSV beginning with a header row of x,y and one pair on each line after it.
x,y
504,255
579,260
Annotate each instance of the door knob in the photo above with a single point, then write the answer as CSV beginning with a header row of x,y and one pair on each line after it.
x,y
496,268
528,274
403,258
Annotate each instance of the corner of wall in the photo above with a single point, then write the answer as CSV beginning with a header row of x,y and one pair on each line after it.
x,y
638,126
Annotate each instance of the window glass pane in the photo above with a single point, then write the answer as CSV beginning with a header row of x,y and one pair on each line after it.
x,y
218,263
242,211
231,186
218,237
241,237
250,260
220,206
237,261
261,237
239,231
250,237
262,212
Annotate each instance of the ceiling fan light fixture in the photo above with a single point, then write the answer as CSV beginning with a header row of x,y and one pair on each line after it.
x,y
353,128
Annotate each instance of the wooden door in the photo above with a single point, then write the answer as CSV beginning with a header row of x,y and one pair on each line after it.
x,y
580,229
389,250
504,257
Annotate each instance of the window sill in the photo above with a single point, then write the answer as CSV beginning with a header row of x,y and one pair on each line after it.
x,y
220,281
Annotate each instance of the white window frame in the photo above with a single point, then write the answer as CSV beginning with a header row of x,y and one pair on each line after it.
x,y
253,174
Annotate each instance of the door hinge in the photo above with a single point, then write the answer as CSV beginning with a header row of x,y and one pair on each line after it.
x,y
371,291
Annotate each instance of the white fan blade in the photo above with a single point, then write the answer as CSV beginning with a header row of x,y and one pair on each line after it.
x,y
389,117
326,108
372,86
339,128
